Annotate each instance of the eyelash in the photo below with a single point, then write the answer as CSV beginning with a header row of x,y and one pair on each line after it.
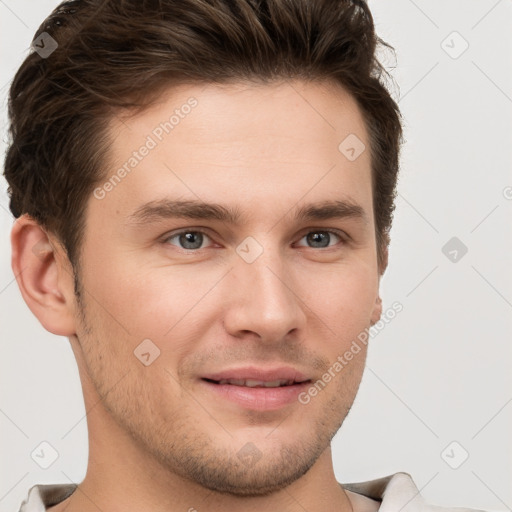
x,y
340,234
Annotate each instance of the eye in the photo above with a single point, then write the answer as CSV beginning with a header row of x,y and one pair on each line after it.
x,y
193,240
321,238
189,240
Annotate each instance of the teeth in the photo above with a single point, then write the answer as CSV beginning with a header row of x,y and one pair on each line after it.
x,y
256,383
275,383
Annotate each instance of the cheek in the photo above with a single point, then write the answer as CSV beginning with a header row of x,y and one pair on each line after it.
x,y
155,302
343,297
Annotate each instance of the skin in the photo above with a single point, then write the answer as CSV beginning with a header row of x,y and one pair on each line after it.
x,y
158,439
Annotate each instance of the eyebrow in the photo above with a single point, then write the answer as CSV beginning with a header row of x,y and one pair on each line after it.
x,y
154,211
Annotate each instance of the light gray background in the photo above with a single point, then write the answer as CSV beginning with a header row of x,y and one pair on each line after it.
x,y
439,372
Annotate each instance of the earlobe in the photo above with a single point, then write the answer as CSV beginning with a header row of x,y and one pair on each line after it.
x,y
377,308
44,282
377,311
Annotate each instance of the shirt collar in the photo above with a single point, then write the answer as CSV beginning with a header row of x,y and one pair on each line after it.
x,y
396,492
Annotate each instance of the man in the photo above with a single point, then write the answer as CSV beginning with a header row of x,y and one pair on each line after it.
x,y
203,193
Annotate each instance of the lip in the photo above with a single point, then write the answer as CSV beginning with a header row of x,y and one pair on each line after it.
x,y
255,373
257,399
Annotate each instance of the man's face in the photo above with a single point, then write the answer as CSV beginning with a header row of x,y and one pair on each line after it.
x,y
264,291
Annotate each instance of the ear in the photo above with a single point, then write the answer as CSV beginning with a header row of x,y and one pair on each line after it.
x,y
385,257
44,276
377,311
377,308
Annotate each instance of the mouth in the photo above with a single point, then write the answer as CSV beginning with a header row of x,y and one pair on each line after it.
x,y
251,383
256,395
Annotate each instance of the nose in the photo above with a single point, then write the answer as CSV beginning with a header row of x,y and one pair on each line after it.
x,y
264,300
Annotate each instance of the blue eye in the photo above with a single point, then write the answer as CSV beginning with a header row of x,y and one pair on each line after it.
x,y
193,239
321,239
189,239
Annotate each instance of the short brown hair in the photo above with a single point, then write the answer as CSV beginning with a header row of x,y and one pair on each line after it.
x,y
117,54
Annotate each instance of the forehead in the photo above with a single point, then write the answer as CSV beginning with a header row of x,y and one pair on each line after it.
x,y
245,111
260,143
